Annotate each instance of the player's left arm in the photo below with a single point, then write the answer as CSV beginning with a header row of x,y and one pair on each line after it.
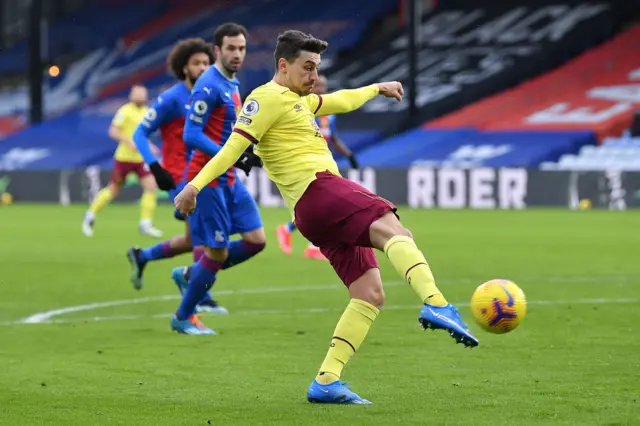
x,y
155,117
203,100
348,100
230,153
344,150
335,139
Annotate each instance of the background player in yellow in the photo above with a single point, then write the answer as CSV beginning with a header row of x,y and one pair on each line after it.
x,y
341,217
127,160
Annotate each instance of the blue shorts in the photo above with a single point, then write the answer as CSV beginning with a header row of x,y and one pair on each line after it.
x,y
222,212
172,195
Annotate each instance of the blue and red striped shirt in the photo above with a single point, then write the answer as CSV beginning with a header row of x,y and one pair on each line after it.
x,y
167,115
213,108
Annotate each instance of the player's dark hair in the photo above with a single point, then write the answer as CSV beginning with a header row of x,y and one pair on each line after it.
x,y
230,29
185,49
290,43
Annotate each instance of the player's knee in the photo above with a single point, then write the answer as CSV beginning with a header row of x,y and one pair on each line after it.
x,y
368,287
386,228
115,189
404,232
376,297
257,238
148,184
217,254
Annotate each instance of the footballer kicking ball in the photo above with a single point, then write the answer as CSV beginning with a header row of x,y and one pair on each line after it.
x,y
498,306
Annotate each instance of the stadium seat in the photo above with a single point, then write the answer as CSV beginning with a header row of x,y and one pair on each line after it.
x,y
615,153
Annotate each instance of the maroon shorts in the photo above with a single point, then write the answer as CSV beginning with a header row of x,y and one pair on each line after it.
x,y
335,214
121,169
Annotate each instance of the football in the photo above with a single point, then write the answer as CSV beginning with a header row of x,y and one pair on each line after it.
x,y
498,306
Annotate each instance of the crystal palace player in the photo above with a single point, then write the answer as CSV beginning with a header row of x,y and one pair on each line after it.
x,y
187,61
339,216
225,205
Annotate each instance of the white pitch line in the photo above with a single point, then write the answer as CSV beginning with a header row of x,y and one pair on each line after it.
x,y
45,316
600,301
42,317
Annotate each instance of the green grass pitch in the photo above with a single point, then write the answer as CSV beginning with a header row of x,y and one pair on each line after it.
x,y
575,360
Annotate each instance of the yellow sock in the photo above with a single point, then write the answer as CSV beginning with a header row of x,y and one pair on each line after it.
x,y
411,264
348,336
148,204
103,198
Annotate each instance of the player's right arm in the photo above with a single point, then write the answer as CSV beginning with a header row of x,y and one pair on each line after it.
x,y
154,118
118,122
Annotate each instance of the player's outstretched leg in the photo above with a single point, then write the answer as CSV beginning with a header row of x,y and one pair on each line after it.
x,y
366,299
138,258
148,204
388,235
104,197
284,233
202,277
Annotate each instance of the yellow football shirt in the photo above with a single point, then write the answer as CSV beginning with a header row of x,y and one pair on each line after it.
x,y
127,119
288,140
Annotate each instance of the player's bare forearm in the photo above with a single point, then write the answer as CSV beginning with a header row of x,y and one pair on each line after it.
x,y
223,160
116,134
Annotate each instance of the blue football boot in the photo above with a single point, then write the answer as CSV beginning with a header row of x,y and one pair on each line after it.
x,y
447,318
179,277
137,267
191,326
333,393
